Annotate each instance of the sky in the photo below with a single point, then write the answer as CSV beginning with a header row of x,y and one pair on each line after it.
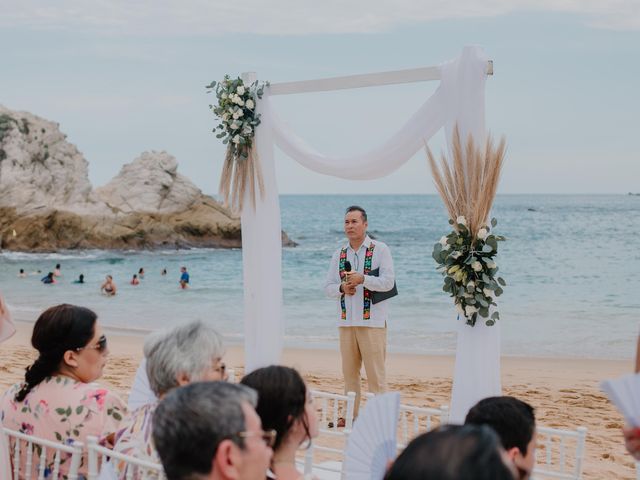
x,y
123,77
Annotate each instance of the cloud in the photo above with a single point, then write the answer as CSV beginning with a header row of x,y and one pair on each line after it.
x,y
288,17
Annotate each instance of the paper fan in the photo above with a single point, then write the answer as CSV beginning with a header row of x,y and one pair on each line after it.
x,y
373,443
624,392
141,393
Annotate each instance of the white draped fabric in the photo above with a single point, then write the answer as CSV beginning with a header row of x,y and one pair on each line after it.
x,y
458,99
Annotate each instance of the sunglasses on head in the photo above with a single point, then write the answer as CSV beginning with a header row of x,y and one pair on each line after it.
x,y
101,346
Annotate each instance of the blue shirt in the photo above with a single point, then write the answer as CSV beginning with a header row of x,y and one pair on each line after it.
x,y
184,277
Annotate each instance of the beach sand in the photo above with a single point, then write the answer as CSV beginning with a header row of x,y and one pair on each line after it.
x,y
564,392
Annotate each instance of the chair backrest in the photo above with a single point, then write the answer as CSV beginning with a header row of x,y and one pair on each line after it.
x,y
560,453
118,463
326,453
24,446
416,420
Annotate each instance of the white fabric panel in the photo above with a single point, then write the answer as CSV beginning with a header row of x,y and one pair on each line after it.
x,y
376,163
459,98
477,369
262,263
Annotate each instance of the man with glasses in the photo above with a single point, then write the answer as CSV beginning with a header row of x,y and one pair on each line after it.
x,y
361,270
210,430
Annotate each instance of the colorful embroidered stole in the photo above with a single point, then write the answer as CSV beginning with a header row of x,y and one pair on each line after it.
x,y
368,257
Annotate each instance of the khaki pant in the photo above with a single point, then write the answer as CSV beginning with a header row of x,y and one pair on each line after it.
x,y
368,345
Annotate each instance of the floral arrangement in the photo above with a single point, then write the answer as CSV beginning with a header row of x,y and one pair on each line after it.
x,y
236,110
467,263
465,257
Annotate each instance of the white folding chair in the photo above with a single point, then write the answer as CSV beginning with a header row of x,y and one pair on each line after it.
x,y
560,453
416,420
72,454
325,456
116,462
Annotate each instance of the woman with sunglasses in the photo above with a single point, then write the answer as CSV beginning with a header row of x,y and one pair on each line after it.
x,y
286,406
58,400
176,357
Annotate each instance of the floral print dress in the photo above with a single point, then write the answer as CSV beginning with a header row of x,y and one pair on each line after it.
x,y
62,409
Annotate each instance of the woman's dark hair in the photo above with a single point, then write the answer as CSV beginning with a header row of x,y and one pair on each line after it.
x,y
282,396
452,452
58,329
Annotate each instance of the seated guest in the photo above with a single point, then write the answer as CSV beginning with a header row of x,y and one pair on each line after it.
x,y
286,406
184,354
210,430
57,400
515,423
453,452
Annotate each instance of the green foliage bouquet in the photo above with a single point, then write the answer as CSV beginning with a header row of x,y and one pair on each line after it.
x,y
467,264
236,111
467,185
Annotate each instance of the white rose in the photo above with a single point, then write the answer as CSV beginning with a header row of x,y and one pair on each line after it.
x,y
224,95
467,295
236,139
234,126
459,309
470,310
240,102
250,104
487,292
471,284
491,264
240,90
456,254
482,233
477,266
225,117
461,220
236,99
237,114
247,130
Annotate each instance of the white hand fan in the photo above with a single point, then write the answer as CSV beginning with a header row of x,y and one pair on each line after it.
x,y
141,393
373,441
624,392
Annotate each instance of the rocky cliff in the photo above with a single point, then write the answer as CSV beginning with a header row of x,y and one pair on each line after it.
x,y
47,201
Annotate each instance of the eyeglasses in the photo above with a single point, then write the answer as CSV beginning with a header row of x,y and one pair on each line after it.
x,y
268,437
101,346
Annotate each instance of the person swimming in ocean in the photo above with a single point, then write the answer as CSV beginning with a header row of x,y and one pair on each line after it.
x,y
80,279
184,278
108,287
134,280
22,273
141,273
48,279
56,272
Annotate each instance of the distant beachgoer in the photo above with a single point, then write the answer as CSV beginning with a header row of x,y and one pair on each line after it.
x,y
80,279
22,273
48,279
141,273
56,271
108,287
134,280
164,272
184,278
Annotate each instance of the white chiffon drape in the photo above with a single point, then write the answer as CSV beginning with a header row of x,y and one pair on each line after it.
x,y
458,99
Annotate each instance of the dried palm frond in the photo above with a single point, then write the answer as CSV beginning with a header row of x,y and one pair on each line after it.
x,y
468,183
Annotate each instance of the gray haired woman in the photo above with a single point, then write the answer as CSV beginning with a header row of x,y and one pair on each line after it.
x,y
188,353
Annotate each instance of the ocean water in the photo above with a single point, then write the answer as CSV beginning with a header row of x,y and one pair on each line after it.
x,y
571,264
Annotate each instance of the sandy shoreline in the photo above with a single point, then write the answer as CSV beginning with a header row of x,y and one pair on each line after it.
x,y
564,392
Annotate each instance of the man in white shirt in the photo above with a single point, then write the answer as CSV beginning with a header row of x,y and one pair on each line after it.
x,y
362,324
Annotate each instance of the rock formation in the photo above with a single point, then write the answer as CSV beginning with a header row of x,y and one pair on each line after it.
x,y
47,201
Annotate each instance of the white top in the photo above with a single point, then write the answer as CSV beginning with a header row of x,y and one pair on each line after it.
x,y
355,303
